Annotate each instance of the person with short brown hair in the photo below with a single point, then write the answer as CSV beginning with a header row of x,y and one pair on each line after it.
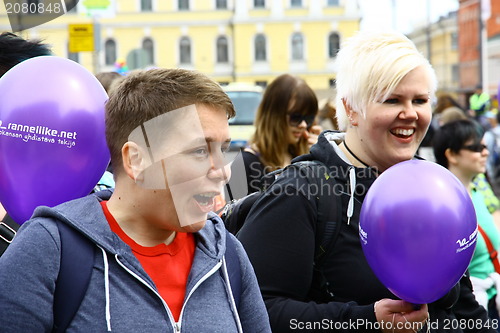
x,y
162,257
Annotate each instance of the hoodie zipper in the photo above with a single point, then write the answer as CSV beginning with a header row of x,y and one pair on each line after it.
x,y
200,281
175,325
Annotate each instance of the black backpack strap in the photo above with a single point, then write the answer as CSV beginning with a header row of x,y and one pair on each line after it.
x,y
327,222
235,212
8,229
77,262
233,269
328,200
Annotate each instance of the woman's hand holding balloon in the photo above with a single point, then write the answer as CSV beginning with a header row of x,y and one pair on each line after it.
x,y
400,316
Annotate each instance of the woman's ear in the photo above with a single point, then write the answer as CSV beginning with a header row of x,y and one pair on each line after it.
x,y
352,116
134,161
451,156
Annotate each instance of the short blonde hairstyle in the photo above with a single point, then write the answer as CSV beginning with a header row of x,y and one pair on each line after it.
x,y
369,67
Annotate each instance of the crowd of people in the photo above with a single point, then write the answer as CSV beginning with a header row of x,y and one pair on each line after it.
x,y
162,259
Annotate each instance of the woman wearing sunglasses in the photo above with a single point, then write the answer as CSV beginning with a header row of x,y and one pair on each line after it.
x,y
283,128
459,146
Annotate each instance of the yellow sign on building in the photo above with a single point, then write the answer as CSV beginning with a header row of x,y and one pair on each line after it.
x,y
81,37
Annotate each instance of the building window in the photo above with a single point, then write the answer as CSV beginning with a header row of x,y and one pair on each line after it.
x,y
454,41
333,44
221,4
333,3
295,3
185,50
332,83
183,4
222,50
260,48
110,52
297,46
148,47
259,3
146,5
455,73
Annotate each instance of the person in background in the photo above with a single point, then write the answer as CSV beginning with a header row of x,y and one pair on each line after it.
x,y
479,104
14,50
492,139
284,128
327,118
444,104
384,92
446,108
481,182
109,80
460,147
160,254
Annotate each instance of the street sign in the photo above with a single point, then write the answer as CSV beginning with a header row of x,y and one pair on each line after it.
x,y
81,37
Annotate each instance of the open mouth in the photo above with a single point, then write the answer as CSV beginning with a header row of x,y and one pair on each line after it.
x,y
403,133
206,201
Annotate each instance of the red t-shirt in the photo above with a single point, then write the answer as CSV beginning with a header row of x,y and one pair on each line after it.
x,y
167,265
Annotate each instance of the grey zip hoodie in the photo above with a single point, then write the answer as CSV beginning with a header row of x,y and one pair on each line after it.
x,y
121,297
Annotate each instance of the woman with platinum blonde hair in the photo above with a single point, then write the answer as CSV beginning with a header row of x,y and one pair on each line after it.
x,y
384,92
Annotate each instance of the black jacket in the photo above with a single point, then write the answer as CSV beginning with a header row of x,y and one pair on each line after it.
x,y
279,237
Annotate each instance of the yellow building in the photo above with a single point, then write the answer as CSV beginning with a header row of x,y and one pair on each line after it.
x,y
439,43
230,40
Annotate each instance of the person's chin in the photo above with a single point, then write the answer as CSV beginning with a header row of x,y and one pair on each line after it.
x,y
193,220
195,227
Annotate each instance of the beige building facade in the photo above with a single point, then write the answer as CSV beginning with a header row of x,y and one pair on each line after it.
x,y
230,40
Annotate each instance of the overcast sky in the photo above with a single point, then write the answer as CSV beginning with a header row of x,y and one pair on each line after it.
x,y
409,13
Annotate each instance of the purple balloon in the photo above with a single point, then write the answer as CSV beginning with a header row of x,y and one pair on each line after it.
x,y
52,142
418,230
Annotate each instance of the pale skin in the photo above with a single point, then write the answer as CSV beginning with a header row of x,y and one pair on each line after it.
x,y
3,212
391,130
389,133
301,130
295,133
467,164
149,216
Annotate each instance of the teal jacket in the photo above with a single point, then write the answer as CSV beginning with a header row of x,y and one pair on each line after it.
x,y
121,297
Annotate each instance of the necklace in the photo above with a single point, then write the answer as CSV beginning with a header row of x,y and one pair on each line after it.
x,y
354,155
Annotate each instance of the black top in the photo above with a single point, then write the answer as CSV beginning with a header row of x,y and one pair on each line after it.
x,y
279,237
254,169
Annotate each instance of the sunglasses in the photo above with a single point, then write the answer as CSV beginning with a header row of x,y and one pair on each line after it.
x,y
294,119
476,147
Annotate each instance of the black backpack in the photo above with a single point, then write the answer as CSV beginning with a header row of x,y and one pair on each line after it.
x,y
328,217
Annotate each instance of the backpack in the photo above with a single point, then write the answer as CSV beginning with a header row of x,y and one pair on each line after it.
x,y
8,229
77,262
328,219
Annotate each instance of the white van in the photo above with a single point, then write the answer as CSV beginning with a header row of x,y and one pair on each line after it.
x,y
246,98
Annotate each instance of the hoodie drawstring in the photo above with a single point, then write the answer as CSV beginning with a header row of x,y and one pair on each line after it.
x,y
106,287
352,187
